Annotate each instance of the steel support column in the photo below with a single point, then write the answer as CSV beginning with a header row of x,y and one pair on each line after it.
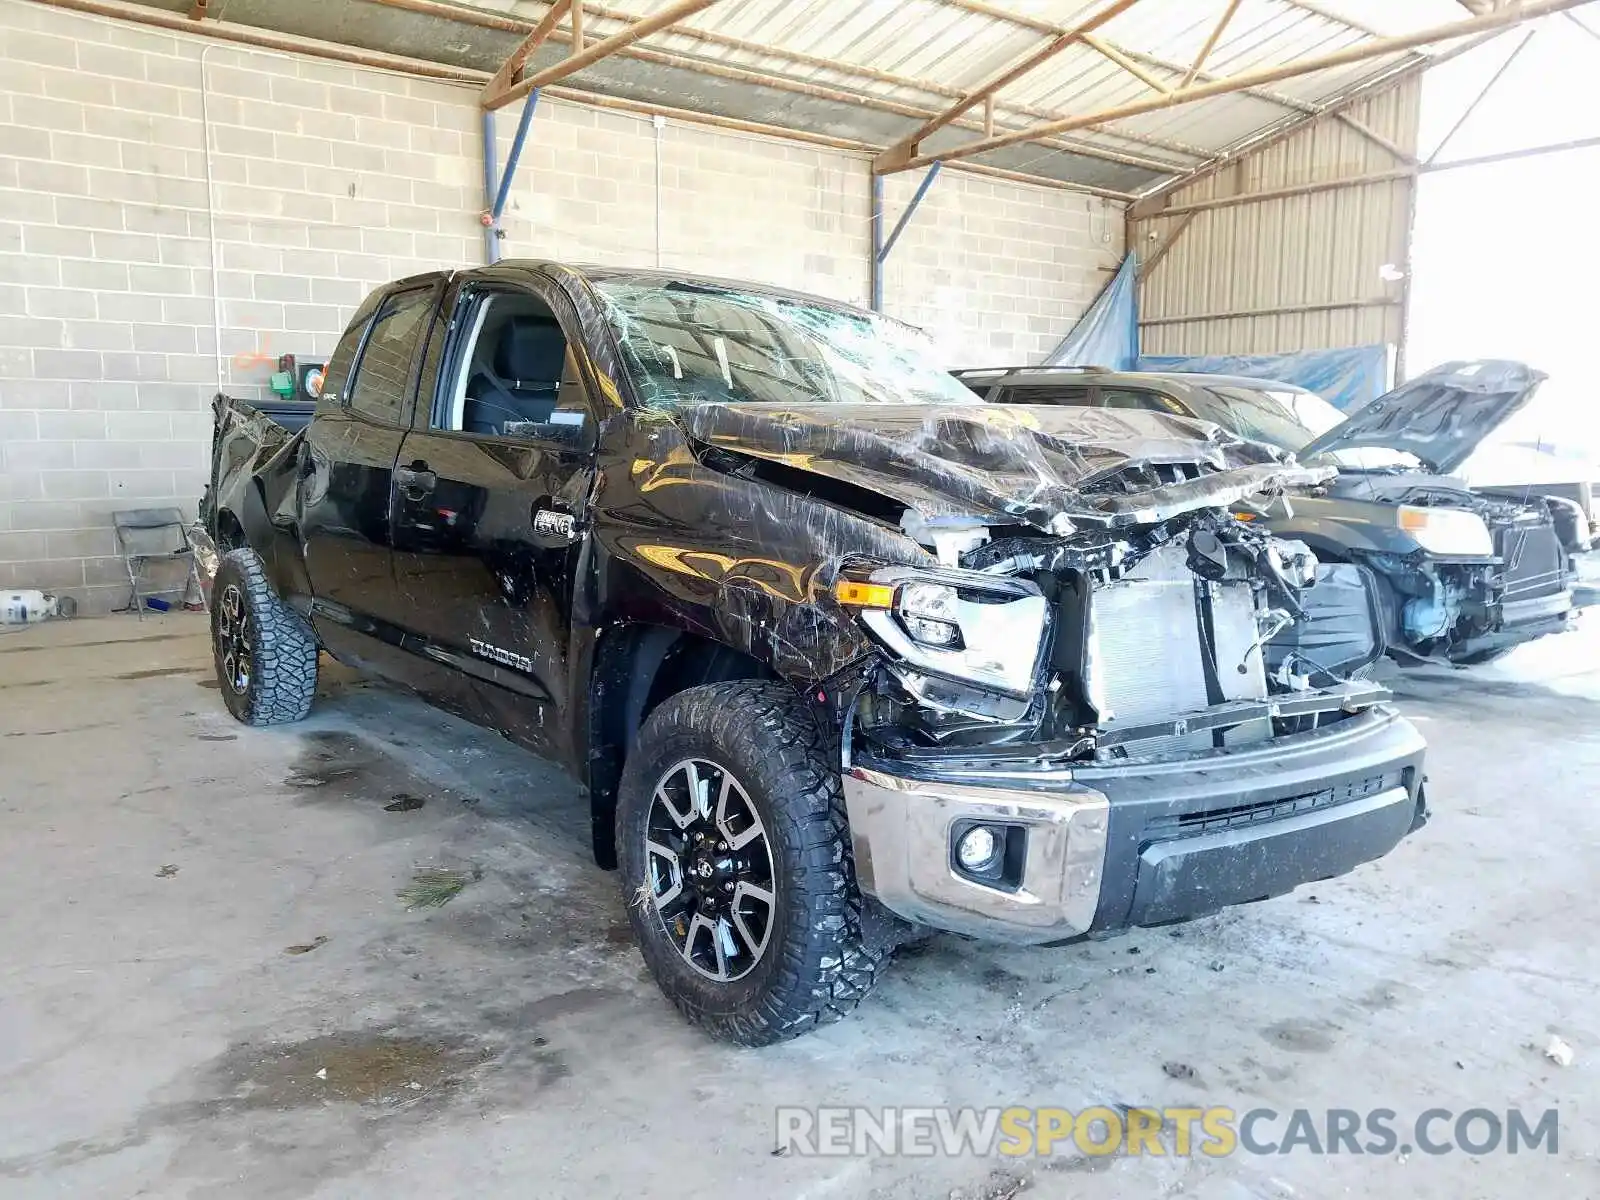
x,y
491,155
881,247
497,193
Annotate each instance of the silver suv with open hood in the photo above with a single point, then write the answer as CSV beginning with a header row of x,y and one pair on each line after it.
x,y
1462,574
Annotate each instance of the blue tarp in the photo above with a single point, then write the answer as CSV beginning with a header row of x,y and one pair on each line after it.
x,y
1346,378
1108,334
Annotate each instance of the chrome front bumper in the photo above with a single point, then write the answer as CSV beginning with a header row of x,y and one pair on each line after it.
x,y
1142,843
900,830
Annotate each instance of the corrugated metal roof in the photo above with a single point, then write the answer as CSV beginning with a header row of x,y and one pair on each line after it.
x,y
872,70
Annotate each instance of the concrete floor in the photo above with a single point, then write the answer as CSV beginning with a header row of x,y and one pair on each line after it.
x,y
200,918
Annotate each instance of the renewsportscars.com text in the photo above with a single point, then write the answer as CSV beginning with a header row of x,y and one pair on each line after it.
x,y
1214,1132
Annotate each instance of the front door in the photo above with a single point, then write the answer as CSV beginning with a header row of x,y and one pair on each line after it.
x,y
347,463
491,487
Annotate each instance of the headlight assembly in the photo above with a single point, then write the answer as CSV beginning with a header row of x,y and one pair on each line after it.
x,y
981,629
1449,531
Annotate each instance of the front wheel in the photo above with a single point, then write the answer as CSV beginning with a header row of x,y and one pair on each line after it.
x,y
266,654
736,867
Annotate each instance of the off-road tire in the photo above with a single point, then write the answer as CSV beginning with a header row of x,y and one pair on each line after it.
x,y
283,657
817,965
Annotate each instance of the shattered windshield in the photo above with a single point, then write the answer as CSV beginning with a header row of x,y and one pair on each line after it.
x,y
1291,419
691,343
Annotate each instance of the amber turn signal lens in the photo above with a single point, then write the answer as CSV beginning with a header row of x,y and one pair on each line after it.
x,y
864,595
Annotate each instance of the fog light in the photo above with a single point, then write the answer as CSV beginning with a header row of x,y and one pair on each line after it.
x,y
978,848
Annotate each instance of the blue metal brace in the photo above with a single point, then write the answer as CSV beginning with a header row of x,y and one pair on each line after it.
x,y
880,247
495,194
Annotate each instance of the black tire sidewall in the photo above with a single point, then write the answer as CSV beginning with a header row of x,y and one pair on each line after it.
x,y
283,648
715,735
243,705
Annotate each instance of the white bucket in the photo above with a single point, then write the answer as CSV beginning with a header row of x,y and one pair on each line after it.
x,y
24,606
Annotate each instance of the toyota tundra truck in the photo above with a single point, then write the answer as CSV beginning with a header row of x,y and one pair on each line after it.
x,y
841,654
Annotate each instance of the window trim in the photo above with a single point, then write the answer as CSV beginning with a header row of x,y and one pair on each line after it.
x,y
469,286
408,393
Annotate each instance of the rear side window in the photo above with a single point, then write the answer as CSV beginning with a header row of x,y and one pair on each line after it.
x,y
380,381
1147,401
1076,397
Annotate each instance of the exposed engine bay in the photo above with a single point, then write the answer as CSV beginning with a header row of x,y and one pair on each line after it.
x,y
1508,565
1189,635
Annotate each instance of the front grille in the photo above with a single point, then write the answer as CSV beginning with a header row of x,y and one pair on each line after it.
x,y
1535,565
1236,815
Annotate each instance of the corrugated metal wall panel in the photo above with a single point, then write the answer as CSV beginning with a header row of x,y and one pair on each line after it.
x,y
1304,268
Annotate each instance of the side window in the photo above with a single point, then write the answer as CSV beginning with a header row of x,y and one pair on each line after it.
x,y
512,374
344,354
1148,401
379,381
1072,397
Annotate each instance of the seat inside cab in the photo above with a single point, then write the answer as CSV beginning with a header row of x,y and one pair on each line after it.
x,y
509,382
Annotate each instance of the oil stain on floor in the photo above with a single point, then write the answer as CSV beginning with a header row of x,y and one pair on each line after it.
x,y
351,1068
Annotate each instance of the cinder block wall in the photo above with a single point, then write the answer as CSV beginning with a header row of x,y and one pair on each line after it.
x,y
158,190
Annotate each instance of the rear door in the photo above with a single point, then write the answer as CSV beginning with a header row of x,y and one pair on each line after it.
x,y
347,464
491,487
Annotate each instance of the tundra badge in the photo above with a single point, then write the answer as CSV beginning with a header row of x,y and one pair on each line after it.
x,y
554,524
506,658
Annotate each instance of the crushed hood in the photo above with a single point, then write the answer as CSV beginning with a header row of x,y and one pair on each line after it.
x,y
1043,466
1439,417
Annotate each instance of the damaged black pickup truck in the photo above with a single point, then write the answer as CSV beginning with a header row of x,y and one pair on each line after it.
x,y
840,654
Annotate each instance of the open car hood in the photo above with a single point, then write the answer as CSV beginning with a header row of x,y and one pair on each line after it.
x,y
1050,467
1439,417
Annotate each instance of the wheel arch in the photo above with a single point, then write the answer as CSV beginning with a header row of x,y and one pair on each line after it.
x,y
634,669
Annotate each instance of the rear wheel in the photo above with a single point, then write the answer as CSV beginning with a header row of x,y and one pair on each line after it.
x,y
736,866
265,653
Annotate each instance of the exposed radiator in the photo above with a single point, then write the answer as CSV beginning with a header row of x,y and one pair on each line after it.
x,y
1535,562
1147,658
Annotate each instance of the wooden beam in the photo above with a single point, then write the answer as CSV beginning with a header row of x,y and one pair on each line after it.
x,y
604,48
802,87
1373,136
246,35
506,77
906,147
1149,203
1038,25
481,19
577,28
1284,193
1107,50
1348,56
1174,232
1210,43
1280,310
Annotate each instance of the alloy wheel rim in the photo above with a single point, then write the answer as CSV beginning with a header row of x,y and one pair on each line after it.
x,y
708,865
234,647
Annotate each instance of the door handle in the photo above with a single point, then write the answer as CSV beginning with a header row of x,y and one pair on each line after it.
x,y
415,481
